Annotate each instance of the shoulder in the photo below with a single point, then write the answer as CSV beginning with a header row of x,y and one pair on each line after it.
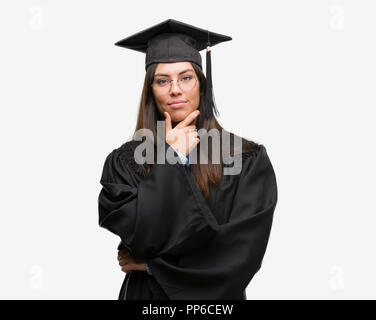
x,y
127,148
125,155
251,149
118,166
247,148
256,161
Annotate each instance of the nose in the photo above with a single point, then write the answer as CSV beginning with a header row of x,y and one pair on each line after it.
x,y
174,88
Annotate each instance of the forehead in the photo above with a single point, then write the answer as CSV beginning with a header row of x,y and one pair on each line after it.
x,y
173,68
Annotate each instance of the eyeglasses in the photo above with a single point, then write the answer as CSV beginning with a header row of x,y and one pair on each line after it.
x,y
185,83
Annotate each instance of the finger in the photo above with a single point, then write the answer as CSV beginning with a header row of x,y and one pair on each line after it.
x,y
191,127
193,115
125,259
192,133
122,259
123,255
127,267
124,262
167,121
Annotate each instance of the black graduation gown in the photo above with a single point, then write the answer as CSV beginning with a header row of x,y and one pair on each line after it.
x,y
196,248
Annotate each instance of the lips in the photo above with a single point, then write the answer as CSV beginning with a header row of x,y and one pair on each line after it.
x,y
177,101
177,104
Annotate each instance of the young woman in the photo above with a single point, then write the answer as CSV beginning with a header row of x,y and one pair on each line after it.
x,y
187,229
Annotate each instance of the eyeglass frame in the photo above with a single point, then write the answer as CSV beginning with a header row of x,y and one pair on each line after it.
x,y
178,83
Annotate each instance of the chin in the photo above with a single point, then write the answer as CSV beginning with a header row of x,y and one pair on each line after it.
x,y
178,115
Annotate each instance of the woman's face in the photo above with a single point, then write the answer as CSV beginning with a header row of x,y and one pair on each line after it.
x,y
165,97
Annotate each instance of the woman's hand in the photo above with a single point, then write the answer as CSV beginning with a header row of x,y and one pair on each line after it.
x,y
129,263
183,137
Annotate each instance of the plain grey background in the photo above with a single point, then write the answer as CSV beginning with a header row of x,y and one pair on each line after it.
x,y
298,77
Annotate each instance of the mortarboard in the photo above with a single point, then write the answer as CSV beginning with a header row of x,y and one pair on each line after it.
x,y
175,41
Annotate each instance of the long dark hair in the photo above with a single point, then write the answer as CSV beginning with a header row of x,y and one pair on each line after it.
x,y
204,174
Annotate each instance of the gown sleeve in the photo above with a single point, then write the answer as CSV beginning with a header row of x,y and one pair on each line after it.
x,y
223,266
160,215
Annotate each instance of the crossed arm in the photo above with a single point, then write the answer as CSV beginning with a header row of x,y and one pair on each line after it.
x,y
129,263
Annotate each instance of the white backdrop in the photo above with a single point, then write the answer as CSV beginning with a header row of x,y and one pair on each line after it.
x,y
298,77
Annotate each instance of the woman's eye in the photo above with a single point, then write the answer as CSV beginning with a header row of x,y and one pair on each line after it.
x,y
162,82
187,78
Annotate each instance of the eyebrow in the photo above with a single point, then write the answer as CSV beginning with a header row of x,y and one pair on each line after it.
x,y
161,74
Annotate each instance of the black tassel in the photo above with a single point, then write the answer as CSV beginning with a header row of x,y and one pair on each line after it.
x,y
209,96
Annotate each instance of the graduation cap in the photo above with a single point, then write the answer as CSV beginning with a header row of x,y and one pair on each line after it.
x,y
175,41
